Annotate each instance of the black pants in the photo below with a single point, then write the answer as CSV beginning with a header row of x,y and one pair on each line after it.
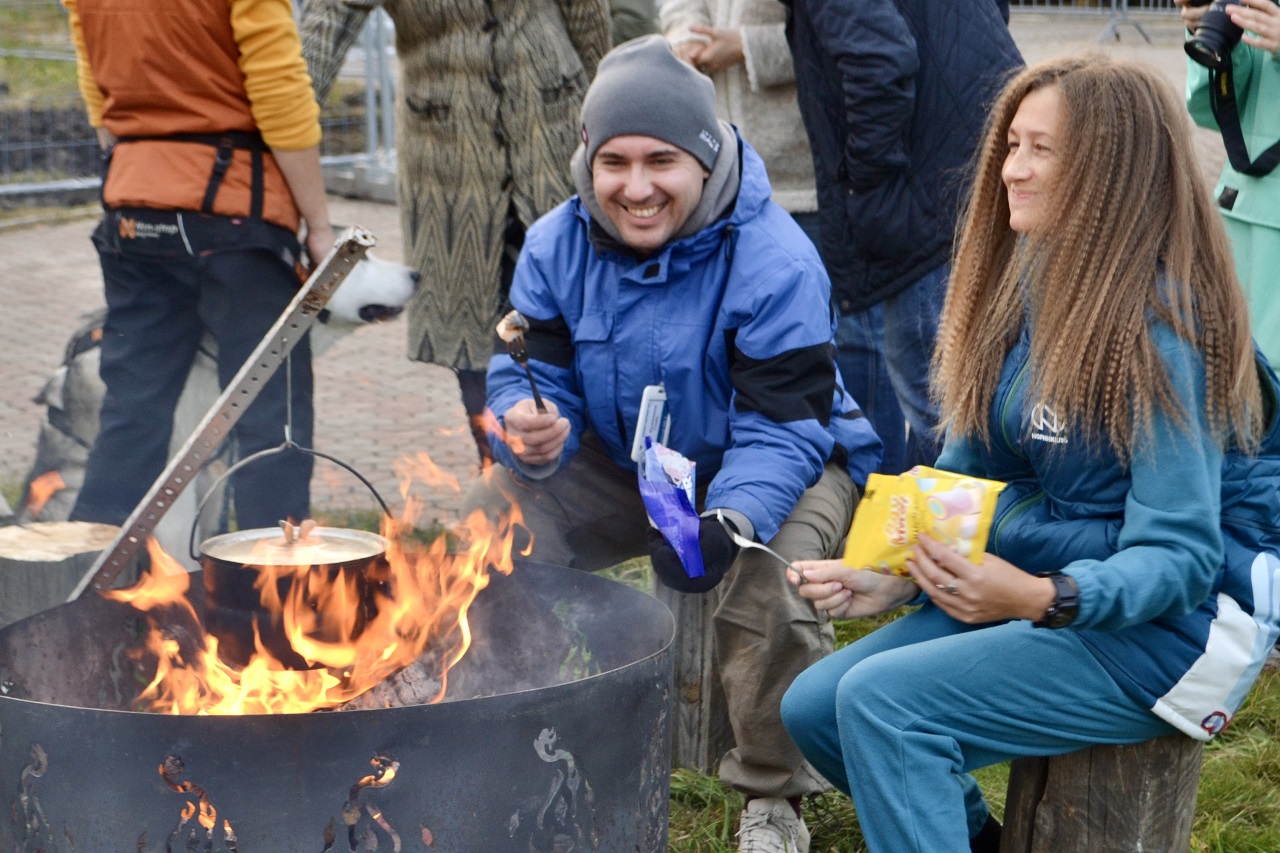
x,y
169,277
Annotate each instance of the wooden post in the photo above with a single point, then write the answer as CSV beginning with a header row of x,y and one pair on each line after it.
x,y
41,563
1105,799
701,732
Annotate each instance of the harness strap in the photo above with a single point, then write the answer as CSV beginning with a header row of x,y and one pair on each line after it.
x,y
1222,100
226,143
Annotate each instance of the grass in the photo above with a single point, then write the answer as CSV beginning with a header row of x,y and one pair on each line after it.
x,y
1237,811
39,28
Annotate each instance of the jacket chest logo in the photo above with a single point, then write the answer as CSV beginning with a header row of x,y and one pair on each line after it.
x,y
1046,425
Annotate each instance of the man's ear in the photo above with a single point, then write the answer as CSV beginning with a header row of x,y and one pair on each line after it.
x,y
706,173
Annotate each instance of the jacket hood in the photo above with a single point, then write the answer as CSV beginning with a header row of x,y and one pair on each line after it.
x,y
737,188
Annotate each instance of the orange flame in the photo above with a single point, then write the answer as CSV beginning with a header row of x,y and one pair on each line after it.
x,y
41,489
414,608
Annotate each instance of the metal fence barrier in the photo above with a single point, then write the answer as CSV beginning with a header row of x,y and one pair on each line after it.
x,y
49,154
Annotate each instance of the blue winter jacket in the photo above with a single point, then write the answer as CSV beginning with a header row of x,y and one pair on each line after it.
x,y
1175,554
734,320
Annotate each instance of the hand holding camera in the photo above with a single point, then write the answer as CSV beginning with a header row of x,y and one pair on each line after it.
x,y
1223,24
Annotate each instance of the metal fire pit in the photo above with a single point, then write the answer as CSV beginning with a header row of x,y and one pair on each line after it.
x,y
554,737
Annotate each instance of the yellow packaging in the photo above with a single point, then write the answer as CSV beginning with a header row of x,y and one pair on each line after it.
x,y
894,511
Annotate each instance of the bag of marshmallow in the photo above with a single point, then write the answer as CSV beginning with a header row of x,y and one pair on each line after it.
x,y
894,511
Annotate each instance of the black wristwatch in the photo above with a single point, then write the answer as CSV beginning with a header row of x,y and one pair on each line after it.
x,y
1066,602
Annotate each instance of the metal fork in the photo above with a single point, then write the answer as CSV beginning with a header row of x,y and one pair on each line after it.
x,y
743,542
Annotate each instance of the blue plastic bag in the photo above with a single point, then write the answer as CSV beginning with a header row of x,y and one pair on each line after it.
x,y
667,489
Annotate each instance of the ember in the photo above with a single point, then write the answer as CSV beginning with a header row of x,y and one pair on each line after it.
x,y
418,604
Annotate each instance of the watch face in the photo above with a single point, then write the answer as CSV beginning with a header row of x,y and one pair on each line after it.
x,y
1066,603
1060,617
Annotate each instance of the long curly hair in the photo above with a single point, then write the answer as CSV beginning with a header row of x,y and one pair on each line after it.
x,y
1134,238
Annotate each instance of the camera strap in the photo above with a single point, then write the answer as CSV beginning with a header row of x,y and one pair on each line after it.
x,y
1222,99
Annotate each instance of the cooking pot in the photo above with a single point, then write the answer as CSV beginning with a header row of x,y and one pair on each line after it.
x,y
239,569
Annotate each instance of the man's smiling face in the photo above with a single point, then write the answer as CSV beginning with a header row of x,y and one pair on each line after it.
x,y
647,188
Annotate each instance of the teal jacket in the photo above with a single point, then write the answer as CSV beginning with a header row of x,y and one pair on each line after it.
x,y
1175,553
1257,78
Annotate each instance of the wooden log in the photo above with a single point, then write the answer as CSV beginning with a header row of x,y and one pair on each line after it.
x,y
701,731
41,563
1105,799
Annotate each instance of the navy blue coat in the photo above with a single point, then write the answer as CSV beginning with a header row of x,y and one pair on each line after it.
x,y
894,95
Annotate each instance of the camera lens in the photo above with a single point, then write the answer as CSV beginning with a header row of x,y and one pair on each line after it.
x,y
1214,39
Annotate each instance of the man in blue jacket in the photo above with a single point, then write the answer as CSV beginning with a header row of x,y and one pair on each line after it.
x,y
671,268
894,94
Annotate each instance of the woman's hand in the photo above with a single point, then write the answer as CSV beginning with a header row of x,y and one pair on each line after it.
x,y
845,593
722,50
1191,15
1260,20
993,591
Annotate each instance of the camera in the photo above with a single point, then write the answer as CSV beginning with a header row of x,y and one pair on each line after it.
x,y
1216,37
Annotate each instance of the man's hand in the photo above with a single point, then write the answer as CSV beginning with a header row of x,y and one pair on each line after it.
x,y
536,438
718,553
723,50
976,594
1260,20
847,593
320,241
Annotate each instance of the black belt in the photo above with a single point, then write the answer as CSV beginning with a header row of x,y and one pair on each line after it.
x,y
226,143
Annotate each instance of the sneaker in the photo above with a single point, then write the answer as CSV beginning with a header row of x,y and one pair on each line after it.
x,y
770,825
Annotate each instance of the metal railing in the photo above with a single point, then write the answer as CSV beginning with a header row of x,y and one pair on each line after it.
x,y
49,154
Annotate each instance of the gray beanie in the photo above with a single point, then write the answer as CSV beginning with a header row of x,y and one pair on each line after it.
x,y
641,88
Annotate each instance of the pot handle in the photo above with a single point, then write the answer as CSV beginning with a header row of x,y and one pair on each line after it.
x,y
271,451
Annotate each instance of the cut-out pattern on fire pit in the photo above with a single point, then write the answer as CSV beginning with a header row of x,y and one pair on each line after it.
x,y
519,726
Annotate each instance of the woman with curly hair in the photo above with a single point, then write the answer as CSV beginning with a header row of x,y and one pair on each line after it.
x,y
1094,355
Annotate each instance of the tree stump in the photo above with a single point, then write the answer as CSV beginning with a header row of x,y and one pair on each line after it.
x,y
41,563
1105,799
701,733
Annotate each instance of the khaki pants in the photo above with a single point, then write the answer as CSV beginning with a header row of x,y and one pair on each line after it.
x,y
589,516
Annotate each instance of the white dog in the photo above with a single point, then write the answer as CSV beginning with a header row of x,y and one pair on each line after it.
x,y
374,291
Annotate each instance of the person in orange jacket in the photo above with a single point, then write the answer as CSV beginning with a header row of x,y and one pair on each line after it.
x,y
211,134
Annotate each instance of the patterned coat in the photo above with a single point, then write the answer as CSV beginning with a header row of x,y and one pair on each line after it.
x,y
486,120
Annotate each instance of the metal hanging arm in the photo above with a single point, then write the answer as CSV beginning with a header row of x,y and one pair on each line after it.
x,y
218,422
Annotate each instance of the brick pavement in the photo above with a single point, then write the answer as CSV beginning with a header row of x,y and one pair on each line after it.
x,y
373,405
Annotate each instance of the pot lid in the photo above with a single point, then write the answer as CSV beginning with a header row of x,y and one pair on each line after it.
x,y
317,546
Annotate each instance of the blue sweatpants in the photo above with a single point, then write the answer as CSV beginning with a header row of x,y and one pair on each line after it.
x,y
899,719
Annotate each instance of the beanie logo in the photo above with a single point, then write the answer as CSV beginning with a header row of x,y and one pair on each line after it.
x,y
712,142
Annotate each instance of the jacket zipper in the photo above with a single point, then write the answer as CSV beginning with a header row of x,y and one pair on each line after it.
x,y
1018,379
1014,511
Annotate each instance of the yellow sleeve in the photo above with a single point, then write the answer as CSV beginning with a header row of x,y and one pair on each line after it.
x,y
89,90
276,80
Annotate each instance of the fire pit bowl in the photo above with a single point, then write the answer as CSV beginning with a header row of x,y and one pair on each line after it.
x,y
554,736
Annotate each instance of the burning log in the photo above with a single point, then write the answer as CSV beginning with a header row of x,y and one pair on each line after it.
x,y
502,658
41,563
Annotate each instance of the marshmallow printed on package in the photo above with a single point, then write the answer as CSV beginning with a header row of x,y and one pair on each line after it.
x,y
955,510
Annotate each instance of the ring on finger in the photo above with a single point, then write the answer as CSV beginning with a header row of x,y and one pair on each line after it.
x,y
951,589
